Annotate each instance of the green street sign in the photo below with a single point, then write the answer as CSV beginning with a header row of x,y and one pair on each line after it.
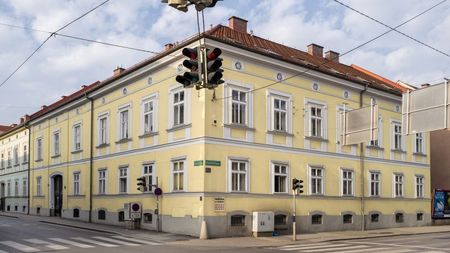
x,y
198,163
212,163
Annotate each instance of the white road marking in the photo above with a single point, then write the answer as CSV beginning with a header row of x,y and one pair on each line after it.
x,y
398,245
306,247
18,246
309,244
94,242
135,240
115,241
47,244
337,249
367,250
80,245
401,251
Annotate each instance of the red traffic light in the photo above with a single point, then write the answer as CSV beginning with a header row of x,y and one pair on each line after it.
x,y
191,53
213,54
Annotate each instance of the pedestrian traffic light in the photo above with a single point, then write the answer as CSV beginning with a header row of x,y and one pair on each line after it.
x,y
213,68
189,79
141,183
297,185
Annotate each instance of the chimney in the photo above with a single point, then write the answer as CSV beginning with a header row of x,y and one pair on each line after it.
x,y
425,85
332,56
237,24
83,86
315,50
24,118
118,71
168,46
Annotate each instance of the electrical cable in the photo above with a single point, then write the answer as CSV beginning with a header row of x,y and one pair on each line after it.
x,y
45,41
346,52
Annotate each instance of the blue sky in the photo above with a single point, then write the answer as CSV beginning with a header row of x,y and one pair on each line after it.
x,y
63,64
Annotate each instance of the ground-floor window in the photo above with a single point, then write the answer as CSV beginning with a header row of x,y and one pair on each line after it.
x,y
76,213
347,219
280,220
399,218
374,218
121,216
148,218
420,216
101,215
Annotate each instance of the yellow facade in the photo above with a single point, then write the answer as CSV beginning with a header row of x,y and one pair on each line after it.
x,y
208,143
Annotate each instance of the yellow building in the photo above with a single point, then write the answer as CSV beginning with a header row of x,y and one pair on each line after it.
x,y
220,155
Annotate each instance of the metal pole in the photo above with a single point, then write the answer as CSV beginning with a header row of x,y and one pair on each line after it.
x,y
446,102
294,232
157,208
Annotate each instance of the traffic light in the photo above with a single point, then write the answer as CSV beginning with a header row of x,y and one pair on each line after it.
x,y
189,79
181,5
213,68
202,4
142,184
297,185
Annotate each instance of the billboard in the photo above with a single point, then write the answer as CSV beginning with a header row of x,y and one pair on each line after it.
x,y
441,204
426,109
359,125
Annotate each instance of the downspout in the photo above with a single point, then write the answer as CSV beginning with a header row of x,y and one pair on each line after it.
x,y
361,161
91,155
29,168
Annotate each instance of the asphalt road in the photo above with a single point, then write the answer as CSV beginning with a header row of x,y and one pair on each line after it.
x,y
425,243
21,235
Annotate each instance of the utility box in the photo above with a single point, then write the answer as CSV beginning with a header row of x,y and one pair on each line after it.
x,y
263,224
126,211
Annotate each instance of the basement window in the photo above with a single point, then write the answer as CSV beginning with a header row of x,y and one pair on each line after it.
x,y
148,218
316,219
101,215
374,218
399,218
238,220
76,213
121,216
280,220
347,219
420,216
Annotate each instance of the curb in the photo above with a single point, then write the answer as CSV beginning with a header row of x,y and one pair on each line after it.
x,y
80,227
9,216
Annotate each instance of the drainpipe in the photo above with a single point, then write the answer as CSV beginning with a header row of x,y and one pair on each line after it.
x,y
29,168
361,161
91,154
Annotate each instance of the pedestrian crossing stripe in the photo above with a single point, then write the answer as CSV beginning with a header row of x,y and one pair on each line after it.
x,y
104,244
47,244
19,246
135,240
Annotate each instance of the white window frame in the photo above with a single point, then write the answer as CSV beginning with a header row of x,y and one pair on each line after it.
x,y
396,136
8,190
77,137
419,186
379,141
272,96
228,103
315,177
153,115
145,172
230,173
102,190
419,138
25,153
39,186
309,104
186,105
121,176
103,134
9,159
56,143
275,174
24,186
76,183
2,161
176,187
122,122
376,181
346,181
16,154
396,183
16,187
39,148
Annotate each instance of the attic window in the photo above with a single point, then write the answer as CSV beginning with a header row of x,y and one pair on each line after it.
x,y
238,65
149,80
315,86
280,76
124,91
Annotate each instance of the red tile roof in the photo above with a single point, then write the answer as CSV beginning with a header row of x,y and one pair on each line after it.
x,y
258,45
403,88
4,128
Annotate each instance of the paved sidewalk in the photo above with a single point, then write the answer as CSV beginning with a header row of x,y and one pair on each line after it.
x,y
238,242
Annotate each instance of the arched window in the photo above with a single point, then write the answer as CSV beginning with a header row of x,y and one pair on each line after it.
x,y
316,219
399,218
347,219
280,220
76,213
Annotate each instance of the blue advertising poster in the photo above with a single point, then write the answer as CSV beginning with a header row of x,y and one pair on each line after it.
x,y
441,205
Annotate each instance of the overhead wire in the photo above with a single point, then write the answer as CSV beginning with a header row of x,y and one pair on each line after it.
x,y
345,53
45,41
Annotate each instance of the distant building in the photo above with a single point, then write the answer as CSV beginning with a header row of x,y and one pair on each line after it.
x,y
221,155
14,150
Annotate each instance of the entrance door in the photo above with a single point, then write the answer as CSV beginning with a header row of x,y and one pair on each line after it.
x,y
2,197
57,194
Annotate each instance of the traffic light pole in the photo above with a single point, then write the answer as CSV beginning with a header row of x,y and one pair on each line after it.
x,y
294,208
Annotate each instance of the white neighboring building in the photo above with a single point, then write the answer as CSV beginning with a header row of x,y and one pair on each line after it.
x,y
14,151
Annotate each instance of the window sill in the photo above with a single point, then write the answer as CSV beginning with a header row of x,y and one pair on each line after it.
x,y
178,127
39,196
149,134
281,133
76,151
76,196
24,163
316,138
239,126
123,141
9,167
420,154
374,147
39,160
280,193
56,156
398,151
17,164
103,145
